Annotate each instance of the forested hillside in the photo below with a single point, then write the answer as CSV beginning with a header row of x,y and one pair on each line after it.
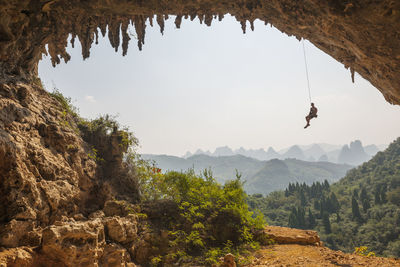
x,y
260,176
362,209
277,174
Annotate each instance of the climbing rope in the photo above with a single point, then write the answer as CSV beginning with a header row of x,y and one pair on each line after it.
x,y
305,63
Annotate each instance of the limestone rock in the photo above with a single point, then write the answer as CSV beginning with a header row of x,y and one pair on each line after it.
x,y
117,208
42,179
20,233
77,243
285,235
229,261
121,230
115,256
17,257
52,193
97,214
362,35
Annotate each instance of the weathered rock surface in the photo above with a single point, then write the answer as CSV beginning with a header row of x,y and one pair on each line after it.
x,y
53,194
76,243
122,230
46,172
228,261
17,257
364,35
285,235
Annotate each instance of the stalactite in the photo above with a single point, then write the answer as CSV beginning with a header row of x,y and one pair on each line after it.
x,y
201,18
243,23
140,28
252,25
96,32
103,28
113,34
86,36
352,74
208,19
178,21
125,36
73,40
160,21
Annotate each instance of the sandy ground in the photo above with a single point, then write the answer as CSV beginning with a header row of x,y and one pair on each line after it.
x,y
314,256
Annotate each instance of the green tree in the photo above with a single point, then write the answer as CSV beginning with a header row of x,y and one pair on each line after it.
x,y
334,203
293,222
303,200
377,197
355,209
311,220
327,223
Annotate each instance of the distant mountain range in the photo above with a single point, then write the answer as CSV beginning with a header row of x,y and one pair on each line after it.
x,y
260,176
352,154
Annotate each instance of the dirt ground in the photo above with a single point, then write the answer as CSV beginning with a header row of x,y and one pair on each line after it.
x,y
283,255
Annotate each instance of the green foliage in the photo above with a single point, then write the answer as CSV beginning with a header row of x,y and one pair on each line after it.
x,y
261,177
355,209
326,222
155,261
363,251
211,219
107,138
69,113
72,148
66,103
362,209
105,126
94,155
394,196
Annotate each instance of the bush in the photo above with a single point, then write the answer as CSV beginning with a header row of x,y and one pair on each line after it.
x,y
363,251
65,102
212,219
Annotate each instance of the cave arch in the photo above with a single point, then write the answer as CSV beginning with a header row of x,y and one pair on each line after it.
x,y
364,35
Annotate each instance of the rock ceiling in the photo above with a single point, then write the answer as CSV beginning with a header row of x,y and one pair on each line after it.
x,y
364,35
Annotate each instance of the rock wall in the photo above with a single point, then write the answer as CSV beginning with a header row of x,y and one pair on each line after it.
x,y
364,35
58,206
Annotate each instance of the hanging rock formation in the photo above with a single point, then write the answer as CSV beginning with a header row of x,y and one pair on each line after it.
x,y
364,35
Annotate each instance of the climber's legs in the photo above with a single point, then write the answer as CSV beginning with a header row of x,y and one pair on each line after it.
x,y
308,118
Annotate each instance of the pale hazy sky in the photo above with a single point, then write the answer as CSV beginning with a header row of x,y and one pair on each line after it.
x,y
204,87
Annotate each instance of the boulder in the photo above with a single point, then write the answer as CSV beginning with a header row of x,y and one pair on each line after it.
x,y
121,230
229,261
285,235
20,233
74,243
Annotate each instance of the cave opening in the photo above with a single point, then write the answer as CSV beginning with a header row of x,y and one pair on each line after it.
x,y
218,78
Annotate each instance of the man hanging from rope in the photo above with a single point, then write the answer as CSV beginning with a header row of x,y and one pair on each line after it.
x,y
312,114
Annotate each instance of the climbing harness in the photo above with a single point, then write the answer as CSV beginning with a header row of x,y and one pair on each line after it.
x,y
305,63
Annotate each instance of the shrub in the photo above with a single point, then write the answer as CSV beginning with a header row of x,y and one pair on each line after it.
x,y
212,219
363,251
65,102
